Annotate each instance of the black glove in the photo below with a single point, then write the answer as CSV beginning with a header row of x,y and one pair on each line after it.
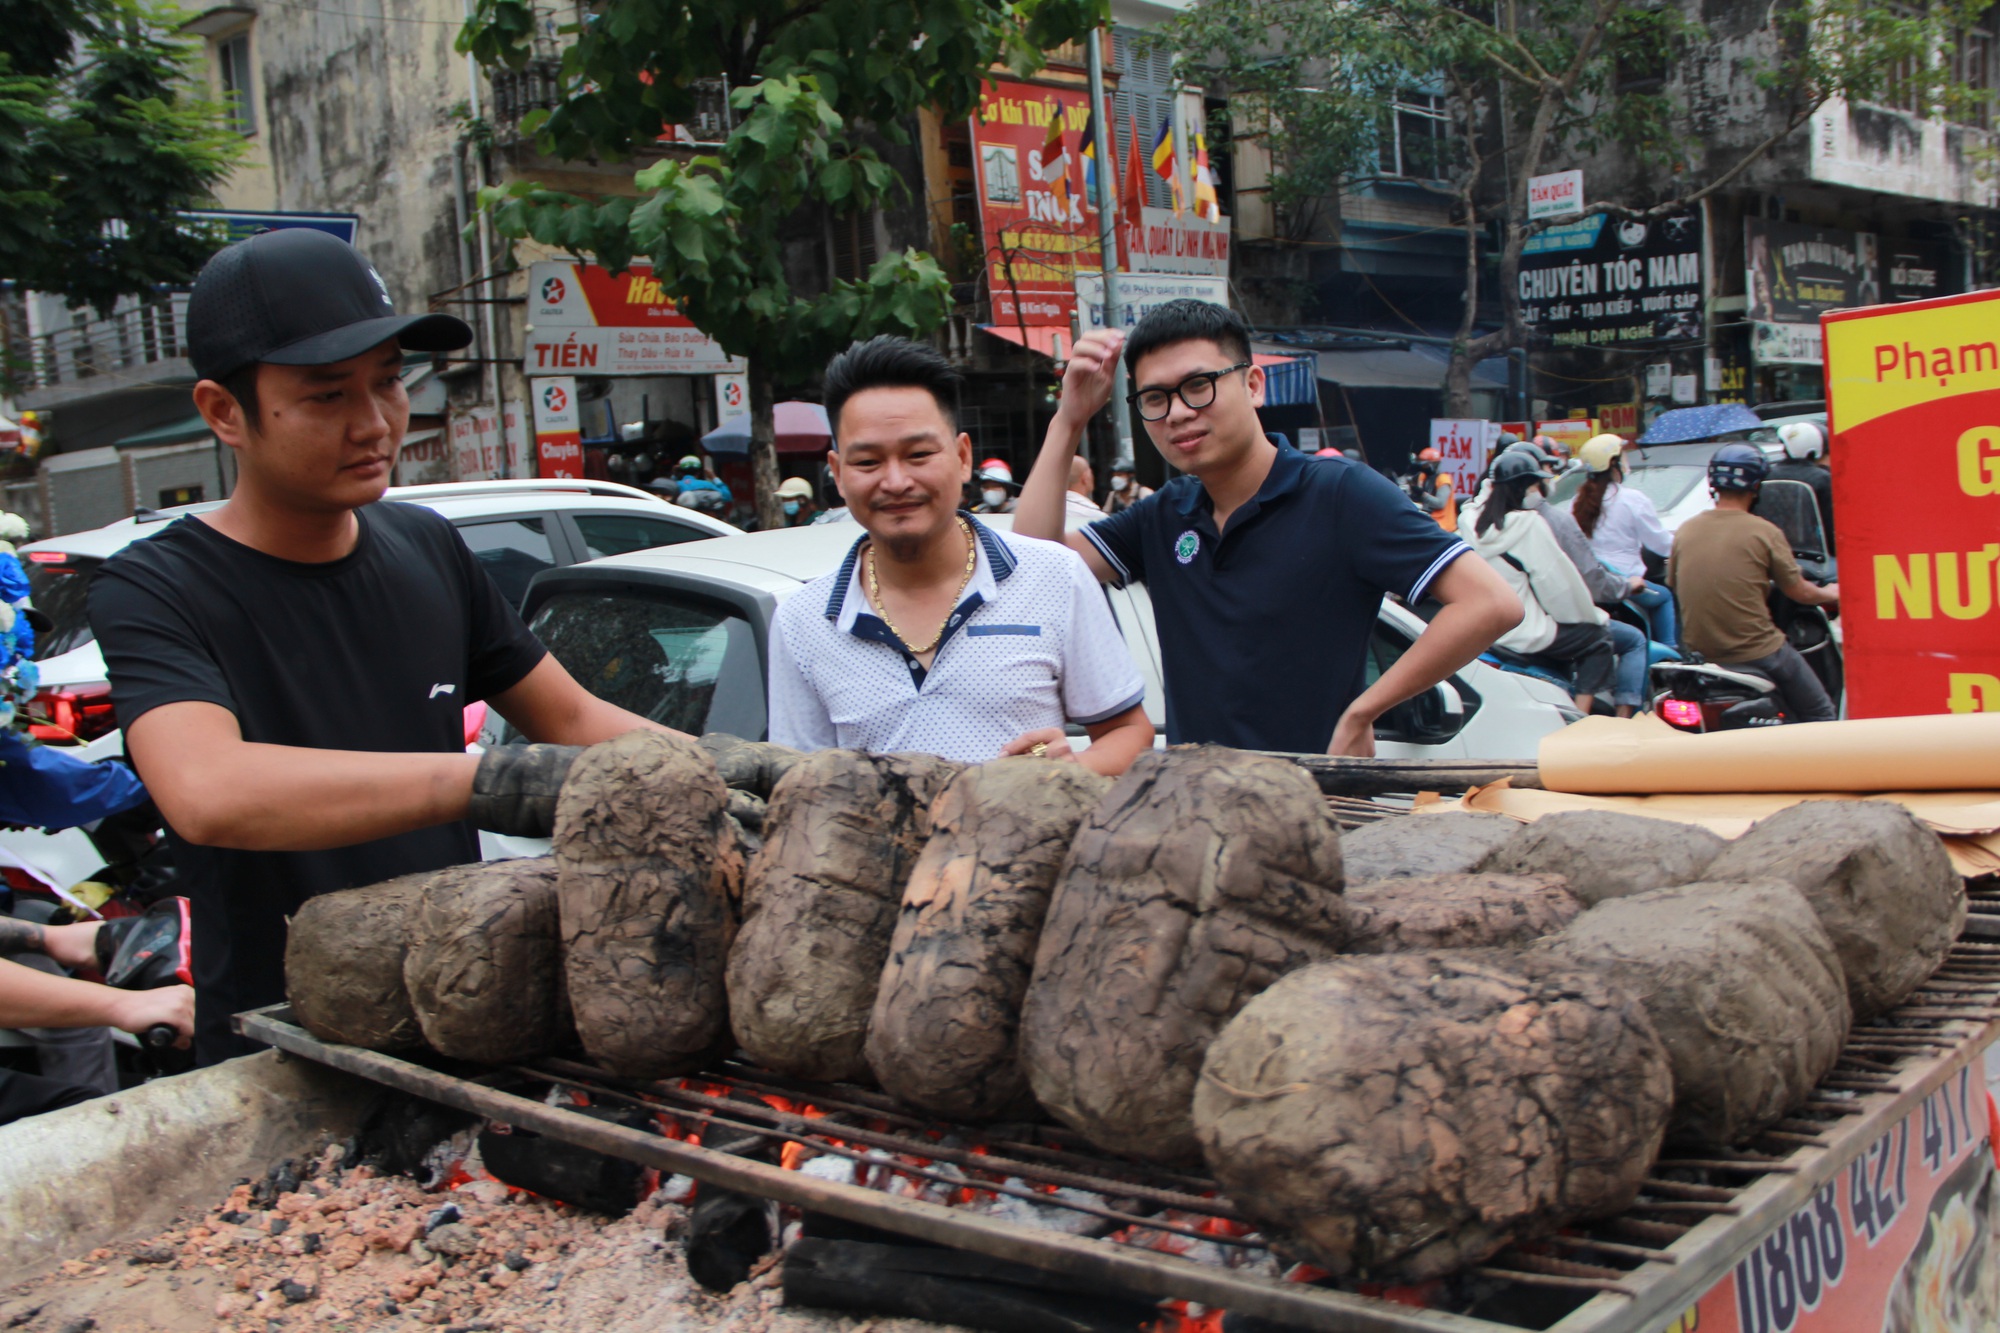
x,y
515,787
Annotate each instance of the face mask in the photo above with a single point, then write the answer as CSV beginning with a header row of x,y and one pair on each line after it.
x,y
1120,483
791,508
1533,500
994,496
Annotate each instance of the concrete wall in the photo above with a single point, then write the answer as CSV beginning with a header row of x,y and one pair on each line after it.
x,y
121,1167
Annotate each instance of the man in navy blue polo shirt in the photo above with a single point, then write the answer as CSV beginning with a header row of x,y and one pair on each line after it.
x,y
1264,565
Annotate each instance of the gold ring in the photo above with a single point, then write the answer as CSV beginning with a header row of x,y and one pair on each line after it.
x,y
1039,749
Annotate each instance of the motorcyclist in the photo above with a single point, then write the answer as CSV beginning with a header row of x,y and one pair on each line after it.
x,y
795,497
1623,525
997,490
1561,623
693,474
1724,563
1805,460
1432,490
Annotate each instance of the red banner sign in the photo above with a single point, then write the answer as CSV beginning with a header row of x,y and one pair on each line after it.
x,y
558,427
1038,229
1914,402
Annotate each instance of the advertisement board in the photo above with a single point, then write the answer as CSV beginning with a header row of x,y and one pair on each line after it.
x,y
1557,195
584,319
478,450
514,429
1601,281
732,397
1171,242
558,427
1572,432
1141,293
1902,1241
1793,274
1037,229
1914,407
1462,447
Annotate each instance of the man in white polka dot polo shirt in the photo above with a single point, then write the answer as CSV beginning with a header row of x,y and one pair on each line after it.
x,y
938,634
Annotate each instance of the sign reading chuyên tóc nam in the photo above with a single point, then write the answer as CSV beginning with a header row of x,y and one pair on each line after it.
x,y
1914,406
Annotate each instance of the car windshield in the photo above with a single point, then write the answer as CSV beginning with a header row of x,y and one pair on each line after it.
x,y
1665,483
60,593
684,662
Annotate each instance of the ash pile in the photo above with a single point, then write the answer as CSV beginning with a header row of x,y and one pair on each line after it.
x,y
1397,1051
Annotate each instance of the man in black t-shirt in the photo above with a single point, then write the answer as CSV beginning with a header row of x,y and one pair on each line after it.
x,y
291,669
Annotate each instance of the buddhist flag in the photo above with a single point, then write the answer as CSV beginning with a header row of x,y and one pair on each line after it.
x,y
1132,232
1055,159
1207,206
1090,160
1163,158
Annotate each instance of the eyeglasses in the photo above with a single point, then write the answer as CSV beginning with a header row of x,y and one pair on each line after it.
x,y
1197,391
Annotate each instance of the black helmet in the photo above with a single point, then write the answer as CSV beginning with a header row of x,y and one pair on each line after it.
x,y
1512,466
1738,467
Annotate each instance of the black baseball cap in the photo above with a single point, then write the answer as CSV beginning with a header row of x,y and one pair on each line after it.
x,y
300,297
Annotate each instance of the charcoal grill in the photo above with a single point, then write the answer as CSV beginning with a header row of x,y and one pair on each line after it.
x,y
1697,1217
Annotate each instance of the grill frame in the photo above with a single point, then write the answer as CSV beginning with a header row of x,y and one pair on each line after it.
x,y
1886,1072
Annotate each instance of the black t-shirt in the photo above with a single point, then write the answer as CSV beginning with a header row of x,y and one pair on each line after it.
x,y
1264,629
380,650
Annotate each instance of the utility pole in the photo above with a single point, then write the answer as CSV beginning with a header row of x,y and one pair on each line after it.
x,y
1107,231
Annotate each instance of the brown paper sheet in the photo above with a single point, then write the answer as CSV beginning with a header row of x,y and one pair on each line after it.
x,y
1967,822
1608,756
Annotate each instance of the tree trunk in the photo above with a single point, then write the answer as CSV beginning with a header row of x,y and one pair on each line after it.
x,y
764,447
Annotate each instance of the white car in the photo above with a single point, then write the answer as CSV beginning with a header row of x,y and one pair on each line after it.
x,y
681,636
516,529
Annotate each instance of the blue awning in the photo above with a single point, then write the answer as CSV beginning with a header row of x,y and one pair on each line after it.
x,y
1289,380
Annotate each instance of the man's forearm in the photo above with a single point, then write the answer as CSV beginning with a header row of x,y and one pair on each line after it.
x,y
31,999
1039,511
280,798
1459,633
17,936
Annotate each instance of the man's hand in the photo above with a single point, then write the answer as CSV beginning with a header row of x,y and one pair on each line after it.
x,y
1635,585
514,789
1054,738
171,1006
1087,380
1354,736
72,946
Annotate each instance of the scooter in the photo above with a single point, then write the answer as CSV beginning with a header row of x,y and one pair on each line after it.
x,y
1698,696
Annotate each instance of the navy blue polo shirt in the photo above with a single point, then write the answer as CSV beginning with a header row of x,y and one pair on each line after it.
x,y
1264,629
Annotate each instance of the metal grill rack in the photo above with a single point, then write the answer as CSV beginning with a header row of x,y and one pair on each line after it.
x,y
1695,1219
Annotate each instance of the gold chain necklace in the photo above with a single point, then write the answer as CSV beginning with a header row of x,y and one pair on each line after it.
x,y
881,609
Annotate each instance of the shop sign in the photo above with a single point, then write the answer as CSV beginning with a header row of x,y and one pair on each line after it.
x,y
558,427
1572,433
424,459
1902,1240
477,447
1462,447
1604,282
1914,405
514,429
1171,242
1037,229
1558,195
1619,418
1140,294
1916,271
732,397
583,319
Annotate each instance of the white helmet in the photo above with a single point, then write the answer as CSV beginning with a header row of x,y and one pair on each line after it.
x,y
1599,452
1802,439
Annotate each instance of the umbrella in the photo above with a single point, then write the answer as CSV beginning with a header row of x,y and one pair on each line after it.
x,y
800,428
1685,425
731,437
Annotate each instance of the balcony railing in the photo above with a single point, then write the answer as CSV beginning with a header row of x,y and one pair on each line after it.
x,y
536,87
149,332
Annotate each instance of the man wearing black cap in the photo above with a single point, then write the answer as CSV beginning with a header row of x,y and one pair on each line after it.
x,y
291,669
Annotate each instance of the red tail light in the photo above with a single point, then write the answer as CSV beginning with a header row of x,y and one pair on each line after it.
x,y
48,557
1681,713
72,715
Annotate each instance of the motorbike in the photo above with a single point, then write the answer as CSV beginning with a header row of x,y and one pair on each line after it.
x,y
1698,696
